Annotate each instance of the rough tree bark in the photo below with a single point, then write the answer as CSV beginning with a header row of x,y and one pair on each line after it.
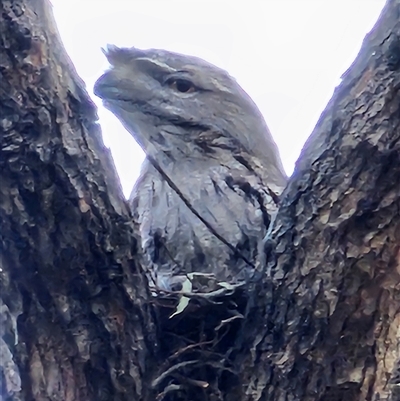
x,y
68,271
76,320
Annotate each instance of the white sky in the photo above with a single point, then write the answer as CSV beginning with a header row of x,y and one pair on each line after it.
x,y
287,54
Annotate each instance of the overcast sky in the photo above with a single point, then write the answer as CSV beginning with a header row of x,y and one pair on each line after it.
x,y
287,54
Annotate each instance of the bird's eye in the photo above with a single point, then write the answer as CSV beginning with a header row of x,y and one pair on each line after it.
x,y
181,85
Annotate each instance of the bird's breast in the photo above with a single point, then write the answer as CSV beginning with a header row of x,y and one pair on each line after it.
x,y
216,210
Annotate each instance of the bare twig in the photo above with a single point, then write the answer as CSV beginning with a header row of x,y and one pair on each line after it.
x,y
172,369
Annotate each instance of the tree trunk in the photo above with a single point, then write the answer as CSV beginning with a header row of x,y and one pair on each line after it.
x,y
77,322
322,318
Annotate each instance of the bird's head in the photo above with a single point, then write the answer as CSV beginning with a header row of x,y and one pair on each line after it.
x,y
180,107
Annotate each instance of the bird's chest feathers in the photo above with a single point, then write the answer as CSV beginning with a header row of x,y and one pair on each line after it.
x,y
227,200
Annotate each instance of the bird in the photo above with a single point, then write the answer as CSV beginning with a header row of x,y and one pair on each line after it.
x,y
210,183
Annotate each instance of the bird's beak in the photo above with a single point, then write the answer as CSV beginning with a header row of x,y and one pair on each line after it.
x,y
104,88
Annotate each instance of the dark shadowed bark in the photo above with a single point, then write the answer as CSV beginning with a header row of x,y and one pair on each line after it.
x,y
322,318
332,292
75,316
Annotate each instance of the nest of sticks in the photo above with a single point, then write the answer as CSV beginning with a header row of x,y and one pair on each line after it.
x,y
201,337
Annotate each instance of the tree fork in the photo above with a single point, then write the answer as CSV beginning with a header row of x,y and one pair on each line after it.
x,y
77,321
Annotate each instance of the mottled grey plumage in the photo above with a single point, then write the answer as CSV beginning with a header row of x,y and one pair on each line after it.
x,y
209,184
